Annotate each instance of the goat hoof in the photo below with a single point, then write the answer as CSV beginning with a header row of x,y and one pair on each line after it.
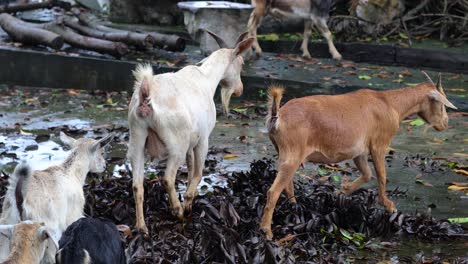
x,y
306,56
268,233
142,229
178,212
187,207
338,57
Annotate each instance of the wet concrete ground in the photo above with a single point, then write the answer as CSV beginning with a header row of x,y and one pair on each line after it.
x,y
32,118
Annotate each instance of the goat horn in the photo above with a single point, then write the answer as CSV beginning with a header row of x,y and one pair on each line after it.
x,y
439,82
222,44
428,77
241,37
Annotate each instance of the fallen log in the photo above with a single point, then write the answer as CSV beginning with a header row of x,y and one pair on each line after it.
x,y
117,49
16,7
139,40
22,32
168,42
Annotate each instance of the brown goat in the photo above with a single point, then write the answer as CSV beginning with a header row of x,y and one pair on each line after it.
x,y
314,12
334,128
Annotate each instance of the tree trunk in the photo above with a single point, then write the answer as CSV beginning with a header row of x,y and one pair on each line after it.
x,y
22,32
168,42
11,8
139,40
104,46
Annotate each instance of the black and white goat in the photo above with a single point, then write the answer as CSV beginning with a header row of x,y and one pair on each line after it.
x,y
91,240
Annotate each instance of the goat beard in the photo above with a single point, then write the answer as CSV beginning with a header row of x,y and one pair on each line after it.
x,y
225,98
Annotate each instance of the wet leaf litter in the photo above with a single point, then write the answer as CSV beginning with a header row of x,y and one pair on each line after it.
x,y
324,226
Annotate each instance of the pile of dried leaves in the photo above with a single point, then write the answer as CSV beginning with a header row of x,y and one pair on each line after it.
x,y
324,226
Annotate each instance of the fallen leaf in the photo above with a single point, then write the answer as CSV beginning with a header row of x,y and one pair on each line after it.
x,y
230,156
327,67
364,77
383,75
285,239
460,171
425,183
419,176
125,230
405,73
458,188
460,154
350,72
462,184
459,220
417,122
456,90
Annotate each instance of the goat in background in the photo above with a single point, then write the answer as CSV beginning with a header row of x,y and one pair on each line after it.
x,y
171,116
28,241
54,195
334,128
314,12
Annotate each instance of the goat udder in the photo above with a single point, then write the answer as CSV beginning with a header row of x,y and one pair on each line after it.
x,y
154,146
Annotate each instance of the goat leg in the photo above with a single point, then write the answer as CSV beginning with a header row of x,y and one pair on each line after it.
x,y
366,174
378,156
323,28
285,176
200,152
305,41
136,148
173,164
254,21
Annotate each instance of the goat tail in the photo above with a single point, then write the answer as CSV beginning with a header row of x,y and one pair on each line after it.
x,y
15,195
22,172
141,73
275,93
143,77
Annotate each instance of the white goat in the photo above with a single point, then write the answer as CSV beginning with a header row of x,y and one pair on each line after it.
x,y
172,115
28,242
54,195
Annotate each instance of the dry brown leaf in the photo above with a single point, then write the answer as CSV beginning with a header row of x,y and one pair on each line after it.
x,y
327,67
125,230
462,184
285,239
460,171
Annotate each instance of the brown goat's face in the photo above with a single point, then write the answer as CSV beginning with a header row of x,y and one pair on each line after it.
x,y
435,114
433,110
231,84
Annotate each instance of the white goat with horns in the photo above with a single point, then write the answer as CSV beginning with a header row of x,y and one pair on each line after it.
x,y
171,116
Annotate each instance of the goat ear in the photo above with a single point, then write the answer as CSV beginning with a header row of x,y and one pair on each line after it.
x,y
103,142
436,95
201,62
69,141
6,231
241,37
44,234
243,46
222,44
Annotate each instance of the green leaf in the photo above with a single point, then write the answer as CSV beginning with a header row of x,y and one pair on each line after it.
x,y
364,77
449,164
346,234
240,109
459,220
411,84
403,36
417,122
272,37
336,178
322,171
